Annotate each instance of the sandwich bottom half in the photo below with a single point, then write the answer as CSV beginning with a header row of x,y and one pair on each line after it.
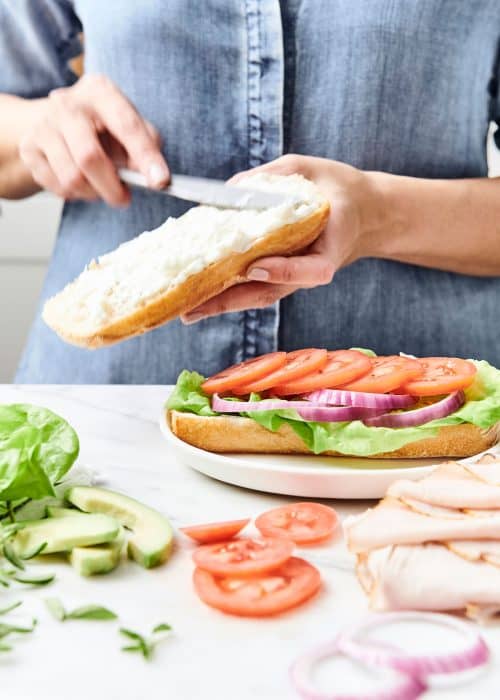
x,y
239,435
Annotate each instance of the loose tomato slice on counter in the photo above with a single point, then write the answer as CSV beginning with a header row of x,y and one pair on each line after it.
x,y
244,373
387,373
265,594
298,364
214,532
303,523
441,375
244,557
341,366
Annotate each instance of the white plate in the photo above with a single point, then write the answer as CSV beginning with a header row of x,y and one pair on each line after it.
x,y
300,475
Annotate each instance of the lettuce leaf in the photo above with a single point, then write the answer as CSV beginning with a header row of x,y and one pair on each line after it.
x,y
37,447
482,408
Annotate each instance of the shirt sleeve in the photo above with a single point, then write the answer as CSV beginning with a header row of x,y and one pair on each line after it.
x,y
37,40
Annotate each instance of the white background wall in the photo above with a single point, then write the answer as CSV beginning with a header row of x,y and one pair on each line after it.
x,y
27,234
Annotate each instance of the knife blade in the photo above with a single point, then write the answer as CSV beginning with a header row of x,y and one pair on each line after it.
x,y
215,193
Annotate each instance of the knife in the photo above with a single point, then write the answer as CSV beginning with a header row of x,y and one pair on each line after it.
x,y
205,191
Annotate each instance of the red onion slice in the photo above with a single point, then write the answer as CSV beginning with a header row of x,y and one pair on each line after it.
x,y
419,416
338,397
401,687
335,414
223,406
474,652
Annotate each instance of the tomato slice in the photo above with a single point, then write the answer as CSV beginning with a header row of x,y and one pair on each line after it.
x,y
387,373
215,532
265,594
244,557
303,523
441,375
245,372
341,366
298,364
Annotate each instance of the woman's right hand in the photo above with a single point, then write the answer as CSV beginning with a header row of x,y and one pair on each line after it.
x,y
86,130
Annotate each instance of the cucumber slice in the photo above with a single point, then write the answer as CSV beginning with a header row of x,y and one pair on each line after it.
x,y
63,534
151,540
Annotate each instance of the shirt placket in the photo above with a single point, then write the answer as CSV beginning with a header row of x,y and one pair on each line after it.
x,y
265,88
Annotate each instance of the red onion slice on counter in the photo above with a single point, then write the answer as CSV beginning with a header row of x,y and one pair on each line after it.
x,y
334,414
473,653
361,399
419,416
399,686
224,406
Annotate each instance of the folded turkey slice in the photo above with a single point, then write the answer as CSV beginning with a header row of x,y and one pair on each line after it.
x,y
453,485
391,522
428,577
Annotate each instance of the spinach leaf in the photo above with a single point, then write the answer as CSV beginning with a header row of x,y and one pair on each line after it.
x,y
37,447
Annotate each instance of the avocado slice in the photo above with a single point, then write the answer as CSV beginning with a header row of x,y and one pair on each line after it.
x,y
60,512
150,543
63,534
99,559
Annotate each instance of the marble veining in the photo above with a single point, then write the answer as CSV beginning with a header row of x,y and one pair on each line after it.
x,y
210,655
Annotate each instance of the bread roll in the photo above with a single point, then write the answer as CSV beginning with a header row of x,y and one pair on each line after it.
x,y
239,434
163,273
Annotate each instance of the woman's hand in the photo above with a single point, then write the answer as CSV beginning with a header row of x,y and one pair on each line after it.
x,y
357,212
81,134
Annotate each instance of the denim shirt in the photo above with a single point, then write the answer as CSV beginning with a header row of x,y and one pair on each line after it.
x,y
402,86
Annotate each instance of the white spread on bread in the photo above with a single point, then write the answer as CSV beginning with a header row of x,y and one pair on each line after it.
x,y
157,260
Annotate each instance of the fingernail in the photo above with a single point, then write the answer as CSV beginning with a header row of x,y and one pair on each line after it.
x,y
258,273
188,319
157,174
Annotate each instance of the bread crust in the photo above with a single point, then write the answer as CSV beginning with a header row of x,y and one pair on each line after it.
x,y
237,434
195,290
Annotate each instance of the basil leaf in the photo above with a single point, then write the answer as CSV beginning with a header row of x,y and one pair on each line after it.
x,y
6,629
35,579
56,608
35,552
9,608
133,635
37,447
162,627
91,612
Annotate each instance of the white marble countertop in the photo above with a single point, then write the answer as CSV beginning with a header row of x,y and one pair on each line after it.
x,y
210,655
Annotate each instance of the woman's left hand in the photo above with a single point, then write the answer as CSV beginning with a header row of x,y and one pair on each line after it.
x,y
357,213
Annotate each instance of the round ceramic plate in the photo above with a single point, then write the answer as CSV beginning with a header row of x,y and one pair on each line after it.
x,y
300,475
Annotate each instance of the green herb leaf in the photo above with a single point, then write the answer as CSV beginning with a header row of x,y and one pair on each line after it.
x,y
6,629
35,579
162,627
56,608
144,646
9,608
91,612
5,647
10,554
35,552
37,447
133,635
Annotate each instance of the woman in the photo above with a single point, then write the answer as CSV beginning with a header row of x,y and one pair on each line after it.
x,y
388,101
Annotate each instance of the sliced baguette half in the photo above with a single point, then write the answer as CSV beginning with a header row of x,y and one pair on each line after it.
x,y
127,292
237,434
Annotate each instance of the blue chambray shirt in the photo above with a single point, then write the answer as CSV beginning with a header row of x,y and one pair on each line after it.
x,y
393,85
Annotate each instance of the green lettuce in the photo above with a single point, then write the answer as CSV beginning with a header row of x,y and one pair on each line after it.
x,y
482,408
37,447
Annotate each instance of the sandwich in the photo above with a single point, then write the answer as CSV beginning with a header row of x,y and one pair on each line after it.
x,y
341,403
164,273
